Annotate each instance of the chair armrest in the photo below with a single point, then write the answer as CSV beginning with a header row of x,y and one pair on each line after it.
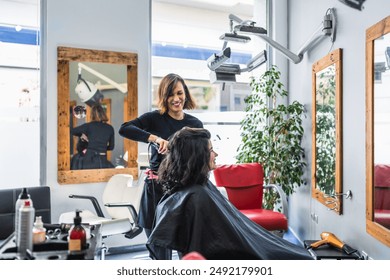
x,y
129,206
94,201
282,196
135,230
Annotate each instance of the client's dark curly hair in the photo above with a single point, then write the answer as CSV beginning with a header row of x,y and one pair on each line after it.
x,y
188,159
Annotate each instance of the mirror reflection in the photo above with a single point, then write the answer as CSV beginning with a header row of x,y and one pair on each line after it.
x,y
377,131
326,130
94,87
326,142
382,131
79,111
95,139
97,92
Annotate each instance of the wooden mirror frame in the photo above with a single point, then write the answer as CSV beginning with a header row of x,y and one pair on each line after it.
x,y
64,56
374,32
333,202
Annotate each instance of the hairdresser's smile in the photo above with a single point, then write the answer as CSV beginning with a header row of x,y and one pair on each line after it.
x,y
177,104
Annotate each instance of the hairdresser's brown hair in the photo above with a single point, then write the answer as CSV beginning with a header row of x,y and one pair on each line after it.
x,y
165,89
98,114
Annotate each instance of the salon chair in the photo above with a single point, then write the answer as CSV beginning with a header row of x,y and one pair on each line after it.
x,y
382,194
121,200
244,184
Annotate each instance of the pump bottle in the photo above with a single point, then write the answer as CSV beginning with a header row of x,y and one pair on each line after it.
x,y
77,235
23,196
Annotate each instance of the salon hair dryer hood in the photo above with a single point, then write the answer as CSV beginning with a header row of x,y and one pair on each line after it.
x,y
88,92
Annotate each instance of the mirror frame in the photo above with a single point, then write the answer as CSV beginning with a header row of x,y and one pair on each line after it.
x,y
64,56
374,32
335,201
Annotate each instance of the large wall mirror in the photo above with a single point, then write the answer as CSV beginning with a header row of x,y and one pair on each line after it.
x,y
88,79
326,127
377,130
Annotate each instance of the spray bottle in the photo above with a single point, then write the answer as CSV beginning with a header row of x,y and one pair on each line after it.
x,y
26,215
23,196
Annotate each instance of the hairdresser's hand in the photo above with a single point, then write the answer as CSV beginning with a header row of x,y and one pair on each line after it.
x,y
84,137
163,145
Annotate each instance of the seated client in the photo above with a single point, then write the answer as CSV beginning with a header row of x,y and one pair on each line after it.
x,y
194,216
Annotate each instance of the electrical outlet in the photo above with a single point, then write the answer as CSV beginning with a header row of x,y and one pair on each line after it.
x,y
364,255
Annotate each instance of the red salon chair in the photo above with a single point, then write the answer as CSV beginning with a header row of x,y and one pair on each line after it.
x,y
244,184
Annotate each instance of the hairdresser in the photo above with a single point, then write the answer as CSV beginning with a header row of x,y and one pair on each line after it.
x,y
156,127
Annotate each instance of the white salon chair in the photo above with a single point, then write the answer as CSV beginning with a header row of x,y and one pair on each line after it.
x,y
121,200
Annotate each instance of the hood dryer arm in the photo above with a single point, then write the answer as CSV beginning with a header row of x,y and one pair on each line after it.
x,y
327,28
101,76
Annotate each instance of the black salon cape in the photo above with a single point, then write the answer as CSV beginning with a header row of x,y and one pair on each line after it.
x,y
199,218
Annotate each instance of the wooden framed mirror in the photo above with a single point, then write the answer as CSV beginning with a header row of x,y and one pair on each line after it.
x,y
377,129
115,76
327,131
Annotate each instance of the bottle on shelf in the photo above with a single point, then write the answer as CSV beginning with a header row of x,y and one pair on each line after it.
x,y
77,235
26,215
23,196
39,232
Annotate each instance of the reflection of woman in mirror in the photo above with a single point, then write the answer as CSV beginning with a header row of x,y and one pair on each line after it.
x,y
100,137
156,127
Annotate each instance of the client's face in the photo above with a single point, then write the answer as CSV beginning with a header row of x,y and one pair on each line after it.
x,y
213,156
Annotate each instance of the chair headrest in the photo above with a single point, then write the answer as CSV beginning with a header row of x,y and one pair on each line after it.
x,y
382,175
241,174
120,189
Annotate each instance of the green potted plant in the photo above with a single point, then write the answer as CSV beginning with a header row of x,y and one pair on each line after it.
x,y
272,134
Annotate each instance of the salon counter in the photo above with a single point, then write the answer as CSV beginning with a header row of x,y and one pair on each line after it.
x,y
54,248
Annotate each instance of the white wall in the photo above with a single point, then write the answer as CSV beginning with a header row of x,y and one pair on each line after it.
x,y
119,25
304,18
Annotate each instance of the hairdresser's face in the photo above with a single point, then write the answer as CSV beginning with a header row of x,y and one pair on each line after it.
x,y
213,156
177,98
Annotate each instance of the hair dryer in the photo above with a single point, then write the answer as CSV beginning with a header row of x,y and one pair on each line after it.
x,y
330,239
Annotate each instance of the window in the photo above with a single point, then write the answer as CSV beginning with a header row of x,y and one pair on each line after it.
x,y
184,36
19,92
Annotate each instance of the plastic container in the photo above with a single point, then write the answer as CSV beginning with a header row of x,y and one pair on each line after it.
x,y
77,235
39,232
26,215
23,196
